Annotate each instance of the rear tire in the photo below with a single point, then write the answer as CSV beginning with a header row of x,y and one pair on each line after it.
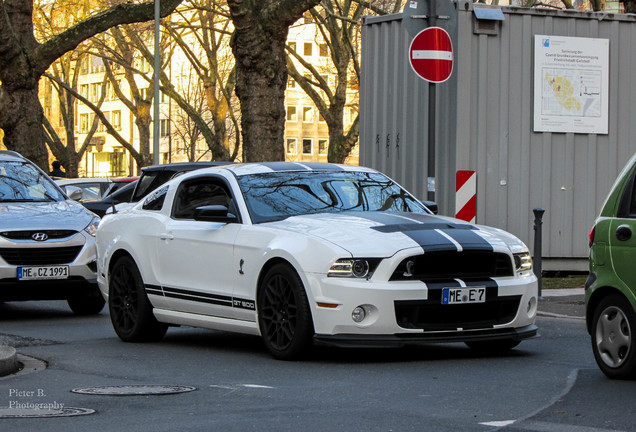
x,y
612,334
284,316
130,309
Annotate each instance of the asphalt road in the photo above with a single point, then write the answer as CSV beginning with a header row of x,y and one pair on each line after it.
x,y
547,384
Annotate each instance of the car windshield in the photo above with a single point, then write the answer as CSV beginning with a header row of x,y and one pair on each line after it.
x,y
22,182
277,196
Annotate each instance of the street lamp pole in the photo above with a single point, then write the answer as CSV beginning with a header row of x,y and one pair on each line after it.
x,y
157,67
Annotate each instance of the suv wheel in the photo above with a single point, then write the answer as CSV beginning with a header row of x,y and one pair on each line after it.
x,y
87,305
613,337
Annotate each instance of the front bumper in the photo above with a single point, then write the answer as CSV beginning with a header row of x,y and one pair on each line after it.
x,y
405,312
406,339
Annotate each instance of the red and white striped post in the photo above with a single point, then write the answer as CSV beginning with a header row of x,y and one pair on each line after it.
x,y
466,195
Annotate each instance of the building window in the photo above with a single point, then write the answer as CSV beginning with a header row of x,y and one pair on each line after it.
x,y
323,146
321,119
308,49
291,83
165,127
308,114
291,146
95,90
83,123
116,119
84,90
291,113
323,49
307,146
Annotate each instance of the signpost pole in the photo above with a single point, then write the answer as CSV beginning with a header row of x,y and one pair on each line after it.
x,y
432,95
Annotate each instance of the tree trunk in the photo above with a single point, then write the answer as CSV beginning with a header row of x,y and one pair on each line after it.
x,y
258,45
21,118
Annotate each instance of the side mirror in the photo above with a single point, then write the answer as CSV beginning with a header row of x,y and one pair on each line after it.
x,y
74,192
214,213
432,206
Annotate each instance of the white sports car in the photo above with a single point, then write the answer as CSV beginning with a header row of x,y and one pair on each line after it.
x,y
311,253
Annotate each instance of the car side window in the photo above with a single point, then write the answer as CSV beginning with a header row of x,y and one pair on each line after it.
x,y
155,200
199,192
627,204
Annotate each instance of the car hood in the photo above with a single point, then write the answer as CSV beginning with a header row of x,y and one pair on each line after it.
x,y
380,234
67,215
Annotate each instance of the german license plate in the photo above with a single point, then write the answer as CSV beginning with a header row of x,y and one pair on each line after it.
x,y
43,272
464,295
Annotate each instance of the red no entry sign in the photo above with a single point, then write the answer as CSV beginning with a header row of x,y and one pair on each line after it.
x,y
431,54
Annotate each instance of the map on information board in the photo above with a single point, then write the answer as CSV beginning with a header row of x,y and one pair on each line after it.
x,y
571,84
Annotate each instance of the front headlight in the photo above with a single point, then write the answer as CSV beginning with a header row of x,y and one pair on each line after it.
x,y
349,267
523,262
92,227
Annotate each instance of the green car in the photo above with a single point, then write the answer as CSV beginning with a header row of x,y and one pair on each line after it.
x,y
610,291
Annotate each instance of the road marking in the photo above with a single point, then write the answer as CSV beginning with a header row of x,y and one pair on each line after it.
x,y
501,423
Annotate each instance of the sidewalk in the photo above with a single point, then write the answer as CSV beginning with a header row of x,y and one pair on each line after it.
x,y
563,303
8,360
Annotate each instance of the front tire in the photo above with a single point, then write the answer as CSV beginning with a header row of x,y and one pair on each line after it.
x,y
284,316
130,309
612,334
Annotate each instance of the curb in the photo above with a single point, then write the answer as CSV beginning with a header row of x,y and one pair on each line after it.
x,y
8,360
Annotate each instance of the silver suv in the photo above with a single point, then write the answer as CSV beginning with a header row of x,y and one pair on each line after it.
x,y
47,240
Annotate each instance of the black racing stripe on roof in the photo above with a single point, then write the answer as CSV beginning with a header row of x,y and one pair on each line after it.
x,y
284,166
293,166
323,166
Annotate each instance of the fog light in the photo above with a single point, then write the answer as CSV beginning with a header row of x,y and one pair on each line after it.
x,y
358,314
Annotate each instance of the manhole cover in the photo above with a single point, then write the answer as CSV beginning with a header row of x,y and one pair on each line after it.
x,y
39,413
134,390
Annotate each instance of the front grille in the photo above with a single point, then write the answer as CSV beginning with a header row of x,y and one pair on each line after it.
x,y
26,235
452,264
432,315
40,256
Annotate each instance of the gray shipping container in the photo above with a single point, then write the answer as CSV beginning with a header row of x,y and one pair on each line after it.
x,y
485,122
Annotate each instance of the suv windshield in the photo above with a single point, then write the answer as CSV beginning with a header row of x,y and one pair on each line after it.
x,y
23,182
276,196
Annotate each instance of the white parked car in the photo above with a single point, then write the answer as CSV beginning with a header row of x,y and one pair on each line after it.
x,y
300,253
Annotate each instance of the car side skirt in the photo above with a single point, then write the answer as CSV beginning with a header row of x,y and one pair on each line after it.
x,y
204,321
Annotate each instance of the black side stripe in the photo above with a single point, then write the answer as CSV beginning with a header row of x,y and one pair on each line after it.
x,y
199,297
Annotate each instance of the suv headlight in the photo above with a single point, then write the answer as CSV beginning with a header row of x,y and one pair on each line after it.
x,y
523,262
92,227
354,267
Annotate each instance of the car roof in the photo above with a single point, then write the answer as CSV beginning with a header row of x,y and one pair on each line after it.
x,y
269,167
66,181
184,166
9,155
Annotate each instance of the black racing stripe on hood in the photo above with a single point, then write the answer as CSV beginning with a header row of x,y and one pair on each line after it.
x,y
469,239
423,230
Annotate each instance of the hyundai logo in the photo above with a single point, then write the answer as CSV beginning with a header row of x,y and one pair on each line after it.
x,y
39,236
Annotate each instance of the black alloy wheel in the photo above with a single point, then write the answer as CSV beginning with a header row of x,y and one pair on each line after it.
x,y
130,309
284,315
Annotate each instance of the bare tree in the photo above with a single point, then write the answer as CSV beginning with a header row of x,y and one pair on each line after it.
x,y
23,60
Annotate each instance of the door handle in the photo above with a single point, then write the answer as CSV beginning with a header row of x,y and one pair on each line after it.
x,y
623,233
166,236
